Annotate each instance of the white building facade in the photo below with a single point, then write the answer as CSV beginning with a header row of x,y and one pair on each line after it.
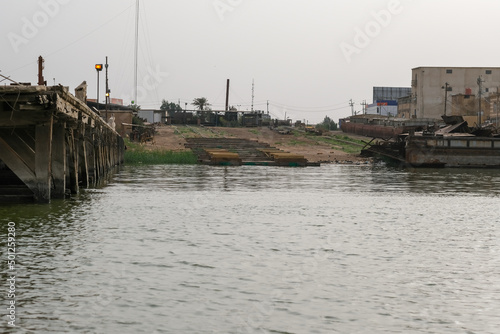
x,y
383,108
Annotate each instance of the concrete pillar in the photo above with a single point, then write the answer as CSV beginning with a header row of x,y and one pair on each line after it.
x,y
43,163
59,160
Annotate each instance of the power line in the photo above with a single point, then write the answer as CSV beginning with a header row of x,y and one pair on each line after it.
x,y
75,41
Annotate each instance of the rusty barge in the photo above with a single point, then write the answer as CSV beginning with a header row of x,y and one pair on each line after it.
x,y
453,145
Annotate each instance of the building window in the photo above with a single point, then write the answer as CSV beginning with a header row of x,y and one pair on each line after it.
x,y
449,71
488,71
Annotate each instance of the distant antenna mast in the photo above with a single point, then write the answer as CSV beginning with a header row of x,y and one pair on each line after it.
x,y
252,93
227,95
352,106
364,106
136,49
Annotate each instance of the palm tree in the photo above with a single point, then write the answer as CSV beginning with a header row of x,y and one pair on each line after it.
x,y
201,103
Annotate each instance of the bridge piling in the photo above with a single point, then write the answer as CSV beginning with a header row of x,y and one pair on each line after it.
x,y
51,144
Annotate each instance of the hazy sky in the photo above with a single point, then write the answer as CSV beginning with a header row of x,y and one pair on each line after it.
x,y
307,57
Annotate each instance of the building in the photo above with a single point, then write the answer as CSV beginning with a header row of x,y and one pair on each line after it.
x,y
431,85
390,93
152,115
383,108
122,115
385,100
404,107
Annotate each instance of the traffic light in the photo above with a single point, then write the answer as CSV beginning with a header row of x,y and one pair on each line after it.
x,y
98,67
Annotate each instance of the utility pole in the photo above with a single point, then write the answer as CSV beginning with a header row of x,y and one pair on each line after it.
x,y
227,95
496,123
352,107
364,106
480,84
268,107
445,87
136,49
252,93
107,89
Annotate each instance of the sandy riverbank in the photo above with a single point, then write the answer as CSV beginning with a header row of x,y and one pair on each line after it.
x,y
314,148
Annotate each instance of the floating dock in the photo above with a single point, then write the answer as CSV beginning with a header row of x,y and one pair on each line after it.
x,y
51,144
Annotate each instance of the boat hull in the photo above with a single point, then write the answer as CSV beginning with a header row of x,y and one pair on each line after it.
x,y
437,151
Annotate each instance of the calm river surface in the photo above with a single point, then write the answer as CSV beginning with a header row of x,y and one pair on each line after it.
x,y
197,249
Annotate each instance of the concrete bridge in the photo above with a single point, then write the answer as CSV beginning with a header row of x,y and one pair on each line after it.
x,y
51,144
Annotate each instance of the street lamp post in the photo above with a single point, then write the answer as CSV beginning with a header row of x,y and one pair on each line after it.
x,y
98,68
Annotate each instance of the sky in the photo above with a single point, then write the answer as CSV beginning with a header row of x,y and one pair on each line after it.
x,y
305,59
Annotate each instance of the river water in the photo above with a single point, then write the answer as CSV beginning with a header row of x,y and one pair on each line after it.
x,y
197,249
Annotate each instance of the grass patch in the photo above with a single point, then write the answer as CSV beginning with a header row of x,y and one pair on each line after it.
x,y
185,130
255,132
138,155
294,142
345,143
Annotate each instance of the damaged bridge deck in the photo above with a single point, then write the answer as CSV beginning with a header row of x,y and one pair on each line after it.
x,y
51,143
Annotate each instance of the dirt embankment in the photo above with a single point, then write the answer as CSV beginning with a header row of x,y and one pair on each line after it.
x,y
314,148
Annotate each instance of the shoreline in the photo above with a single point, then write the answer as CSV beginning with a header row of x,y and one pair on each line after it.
x,y
333,147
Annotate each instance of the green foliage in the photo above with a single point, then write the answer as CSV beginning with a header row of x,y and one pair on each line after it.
x,y
294,142
134,107
137,120
139,130
170,107
328,124
201,103
344,143
136,154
